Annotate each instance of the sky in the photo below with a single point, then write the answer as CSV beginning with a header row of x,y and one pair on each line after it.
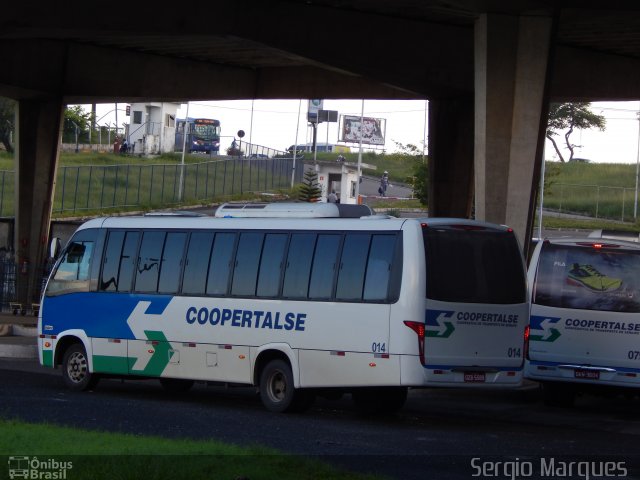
x,y
276,123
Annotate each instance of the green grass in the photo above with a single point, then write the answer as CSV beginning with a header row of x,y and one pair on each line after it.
x,y
592,189
89,183
104,455
400,167
568,223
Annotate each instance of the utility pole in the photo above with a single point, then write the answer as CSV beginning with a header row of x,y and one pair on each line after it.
x,y
185,132
635,203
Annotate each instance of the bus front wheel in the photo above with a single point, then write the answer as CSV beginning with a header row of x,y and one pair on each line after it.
x,y
75,369
277,391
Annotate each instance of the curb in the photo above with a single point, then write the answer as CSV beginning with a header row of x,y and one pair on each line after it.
x,y
19,347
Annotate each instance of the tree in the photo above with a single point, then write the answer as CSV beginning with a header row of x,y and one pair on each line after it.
x,y
7,122
309,190
75,115
420,169
570,117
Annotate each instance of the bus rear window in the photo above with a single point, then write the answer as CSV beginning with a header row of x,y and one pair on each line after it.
x,y
588,278
474,266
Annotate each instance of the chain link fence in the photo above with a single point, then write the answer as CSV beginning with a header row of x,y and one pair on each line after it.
x,y
597,201
90,187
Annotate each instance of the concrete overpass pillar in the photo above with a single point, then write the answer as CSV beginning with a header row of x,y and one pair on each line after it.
x,y
37,148
451,157
511,60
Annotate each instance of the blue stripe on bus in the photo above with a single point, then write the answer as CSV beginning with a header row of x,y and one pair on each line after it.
x,y
98,314
578,366
475,367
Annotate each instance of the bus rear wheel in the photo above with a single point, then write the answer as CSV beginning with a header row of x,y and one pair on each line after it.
x,y
75,369
277,391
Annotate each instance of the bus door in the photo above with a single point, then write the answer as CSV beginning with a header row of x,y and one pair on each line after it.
x,y
152,321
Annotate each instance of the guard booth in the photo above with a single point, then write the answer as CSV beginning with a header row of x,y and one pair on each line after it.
x,y
342,177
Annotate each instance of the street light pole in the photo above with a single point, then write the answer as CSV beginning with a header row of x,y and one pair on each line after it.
x,y
361,131
295,147
635,203
185,132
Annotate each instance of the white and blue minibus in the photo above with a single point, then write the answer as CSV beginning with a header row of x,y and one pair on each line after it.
x,y
295,299
585,316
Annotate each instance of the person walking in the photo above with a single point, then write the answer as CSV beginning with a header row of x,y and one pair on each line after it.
x,y
384,183
332,197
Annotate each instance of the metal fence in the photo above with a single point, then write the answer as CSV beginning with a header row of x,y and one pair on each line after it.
x,y
14,284
598,201
91,187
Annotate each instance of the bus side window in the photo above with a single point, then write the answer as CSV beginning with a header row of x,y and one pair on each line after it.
x,y
72,272
271,264
352,266
148,265
221,265
298,266
197,263
324,266
245,273
128,261
171,262
376,284
111,262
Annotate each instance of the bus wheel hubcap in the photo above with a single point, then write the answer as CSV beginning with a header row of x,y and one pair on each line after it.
x,y
277,386
77,367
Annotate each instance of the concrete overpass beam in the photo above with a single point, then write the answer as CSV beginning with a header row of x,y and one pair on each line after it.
x,y
38,133
512,55
451,157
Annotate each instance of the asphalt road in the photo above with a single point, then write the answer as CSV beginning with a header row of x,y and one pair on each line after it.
x,y
436,435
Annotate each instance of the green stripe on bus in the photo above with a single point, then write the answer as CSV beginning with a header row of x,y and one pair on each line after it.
x,y
112,364
47,358
161,355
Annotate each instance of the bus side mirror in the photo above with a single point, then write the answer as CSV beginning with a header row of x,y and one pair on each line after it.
x,y
54,248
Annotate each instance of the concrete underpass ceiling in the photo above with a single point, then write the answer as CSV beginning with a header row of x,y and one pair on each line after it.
x,y
232,49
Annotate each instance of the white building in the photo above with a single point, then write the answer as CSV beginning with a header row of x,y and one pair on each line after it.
x,y
340,177
152,127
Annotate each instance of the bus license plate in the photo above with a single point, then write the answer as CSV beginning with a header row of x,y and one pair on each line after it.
x,y
474,377
588,374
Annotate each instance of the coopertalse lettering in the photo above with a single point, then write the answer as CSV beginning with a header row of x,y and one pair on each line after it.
x,y
239,318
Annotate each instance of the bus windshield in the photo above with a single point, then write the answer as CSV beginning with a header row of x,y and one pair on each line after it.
x,y
206,130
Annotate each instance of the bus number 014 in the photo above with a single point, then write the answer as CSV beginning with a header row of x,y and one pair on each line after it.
x,y
378,347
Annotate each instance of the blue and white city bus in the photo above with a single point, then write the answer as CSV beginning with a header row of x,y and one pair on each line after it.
x,y
294,299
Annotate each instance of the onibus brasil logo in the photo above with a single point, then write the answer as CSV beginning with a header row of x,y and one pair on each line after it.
x,y
40,469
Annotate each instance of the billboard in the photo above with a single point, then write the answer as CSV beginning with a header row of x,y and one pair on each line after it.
x,y
373,129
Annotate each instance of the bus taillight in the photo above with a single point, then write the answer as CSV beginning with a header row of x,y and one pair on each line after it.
x,y
526,341
418,327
